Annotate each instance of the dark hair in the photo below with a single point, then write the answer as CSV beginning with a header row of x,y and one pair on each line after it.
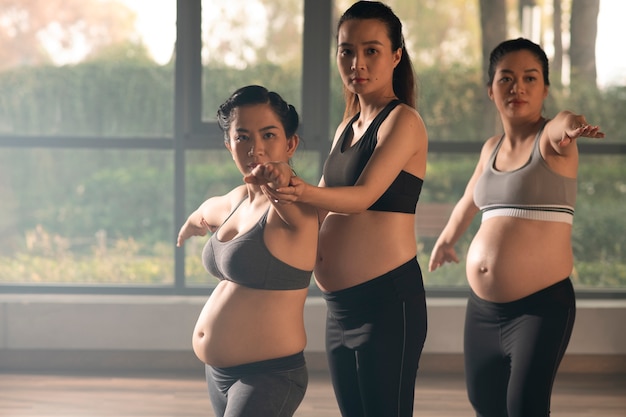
x,y
256,94
403,76
514,45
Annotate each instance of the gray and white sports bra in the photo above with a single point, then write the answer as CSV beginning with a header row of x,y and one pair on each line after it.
x,y
533,191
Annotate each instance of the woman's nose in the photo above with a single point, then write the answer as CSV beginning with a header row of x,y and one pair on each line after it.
x,y
256,148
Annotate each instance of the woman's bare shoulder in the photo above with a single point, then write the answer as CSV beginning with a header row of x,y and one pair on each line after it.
x,y
403,122
404,111
237,194
490,144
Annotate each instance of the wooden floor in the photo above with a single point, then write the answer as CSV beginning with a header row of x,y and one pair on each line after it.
x,y
149,395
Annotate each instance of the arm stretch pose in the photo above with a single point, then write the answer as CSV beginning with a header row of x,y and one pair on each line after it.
x,y
521,309
250,332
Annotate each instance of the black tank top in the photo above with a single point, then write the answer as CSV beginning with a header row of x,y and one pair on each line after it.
x,y
343,168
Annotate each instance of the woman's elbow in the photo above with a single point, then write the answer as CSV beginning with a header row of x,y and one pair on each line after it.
x,y
360,207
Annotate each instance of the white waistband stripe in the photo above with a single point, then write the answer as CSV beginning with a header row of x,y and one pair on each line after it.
x,y
543,213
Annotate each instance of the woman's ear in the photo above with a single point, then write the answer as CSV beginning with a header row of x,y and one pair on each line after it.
x,y
397,56
292,145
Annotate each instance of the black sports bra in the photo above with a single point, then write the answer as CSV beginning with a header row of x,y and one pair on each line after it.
x,y
248,262
343,168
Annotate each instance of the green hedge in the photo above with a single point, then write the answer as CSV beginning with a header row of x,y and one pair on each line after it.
x,y
61,205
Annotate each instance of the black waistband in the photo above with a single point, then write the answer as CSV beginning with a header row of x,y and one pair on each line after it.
x,y
286,363
403,281
562,290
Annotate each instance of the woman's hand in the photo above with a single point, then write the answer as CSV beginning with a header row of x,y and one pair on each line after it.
x,y
441,254
576,126
289,193
271,174
194,226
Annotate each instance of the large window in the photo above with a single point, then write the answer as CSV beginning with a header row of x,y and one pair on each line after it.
x,y
86,151
108,138
251,42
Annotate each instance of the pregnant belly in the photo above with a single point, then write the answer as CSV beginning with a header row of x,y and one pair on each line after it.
x,y
509,260
241,325
352,249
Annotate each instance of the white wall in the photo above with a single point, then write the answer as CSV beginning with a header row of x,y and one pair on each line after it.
x,y
143,324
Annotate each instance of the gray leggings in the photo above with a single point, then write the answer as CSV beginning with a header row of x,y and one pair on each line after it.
x,y
270,388
513,350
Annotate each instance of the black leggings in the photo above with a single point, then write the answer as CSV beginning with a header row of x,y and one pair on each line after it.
x,y
375,333
513,350
271,388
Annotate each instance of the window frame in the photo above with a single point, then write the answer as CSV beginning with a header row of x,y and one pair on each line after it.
x,y
191,132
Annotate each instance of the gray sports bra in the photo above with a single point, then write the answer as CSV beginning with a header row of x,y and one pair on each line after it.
x,y
533,191
246,260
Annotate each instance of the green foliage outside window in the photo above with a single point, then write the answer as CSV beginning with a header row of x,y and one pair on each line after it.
x,y
85,216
